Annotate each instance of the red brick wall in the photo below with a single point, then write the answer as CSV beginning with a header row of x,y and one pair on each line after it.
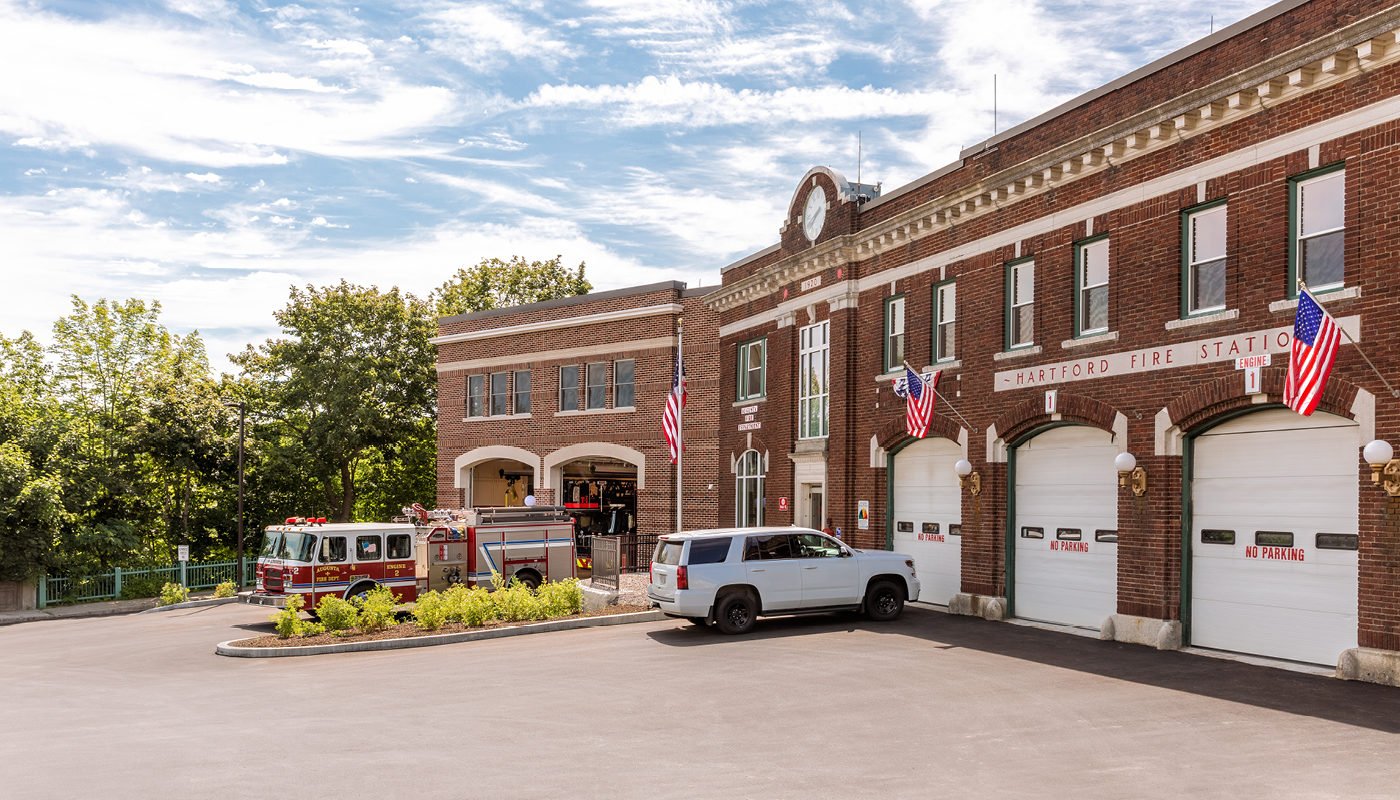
x,y
1145,236
544,431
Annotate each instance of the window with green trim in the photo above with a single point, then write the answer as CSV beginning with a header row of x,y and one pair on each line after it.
x,y
1318,212
894,332
1020,304
1203,259
1091,287
752,365
945,321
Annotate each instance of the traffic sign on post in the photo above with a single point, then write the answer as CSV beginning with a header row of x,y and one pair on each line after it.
x,y
182,552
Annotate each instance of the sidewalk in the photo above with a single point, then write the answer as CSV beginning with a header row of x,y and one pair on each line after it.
x,y
85,610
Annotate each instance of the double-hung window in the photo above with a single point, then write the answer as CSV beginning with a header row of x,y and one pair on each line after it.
x,y
945,321
1091,287
597,384
1020,304
624,388
522,391
499,393
476,396
812,380
1318,211
752,357
568,388
748,490
894,333
1203,260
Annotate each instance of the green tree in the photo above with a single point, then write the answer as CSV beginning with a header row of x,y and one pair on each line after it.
x,y
352,379
494,283
31,513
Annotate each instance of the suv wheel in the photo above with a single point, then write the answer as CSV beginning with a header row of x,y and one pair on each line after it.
x,y
884,601
736,613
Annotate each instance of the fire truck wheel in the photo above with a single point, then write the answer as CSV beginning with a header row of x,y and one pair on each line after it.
x,y
358,591
529,577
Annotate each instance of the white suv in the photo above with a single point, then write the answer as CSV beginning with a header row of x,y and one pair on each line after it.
x,y
731,576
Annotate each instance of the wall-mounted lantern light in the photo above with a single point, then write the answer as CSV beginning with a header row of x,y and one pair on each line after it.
x,y
967,478
1385,468
1130,475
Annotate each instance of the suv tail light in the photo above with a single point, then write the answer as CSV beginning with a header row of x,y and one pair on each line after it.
x,y
682,582
651,573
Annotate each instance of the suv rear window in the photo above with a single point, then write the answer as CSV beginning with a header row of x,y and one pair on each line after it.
x,y
668,552
709,551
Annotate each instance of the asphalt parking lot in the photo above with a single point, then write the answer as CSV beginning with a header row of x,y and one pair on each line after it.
x,y
815,707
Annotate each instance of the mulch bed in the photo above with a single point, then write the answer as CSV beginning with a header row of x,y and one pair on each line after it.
x,y
408,630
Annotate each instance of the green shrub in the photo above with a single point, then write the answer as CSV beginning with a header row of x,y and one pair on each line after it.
x,y
288,620
561,598
172,593
312,629
376,609
516,603
225,589
337,615
430,612
472,607
144,586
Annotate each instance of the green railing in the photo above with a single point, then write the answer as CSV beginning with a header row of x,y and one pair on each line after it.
x,y
88,588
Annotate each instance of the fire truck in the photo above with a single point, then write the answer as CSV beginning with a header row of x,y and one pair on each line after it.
x,y
313,558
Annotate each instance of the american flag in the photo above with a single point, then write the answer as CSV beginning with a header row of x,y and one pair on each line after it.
x,y
1315,340
675,403
919,397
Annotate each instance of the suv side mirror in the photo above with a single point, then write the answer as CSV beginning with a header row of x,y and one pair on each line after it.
x,y
845,553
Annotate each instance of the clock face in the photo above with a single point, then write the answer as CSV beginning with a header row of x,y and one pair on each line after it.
x,y
814,216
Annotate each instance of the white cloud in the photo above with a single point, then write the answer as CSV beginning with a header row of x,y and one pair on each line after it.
x,y
483,36
204,96
204,177
672,101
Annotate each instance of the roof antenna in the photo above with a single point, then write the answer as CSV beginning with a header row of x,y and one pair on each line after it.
x,y
858,155
994,104
1212,23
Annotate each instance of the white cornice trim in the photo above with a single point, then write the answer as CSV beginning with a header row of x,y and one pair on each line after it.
x,y
563,322
564,354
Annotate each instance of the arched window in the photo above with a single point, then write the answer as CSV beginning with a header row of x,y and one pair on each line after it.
x,y
748,490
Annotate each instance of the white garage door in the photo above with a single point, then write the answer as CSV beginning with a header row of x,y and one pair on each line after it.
x,y
1273,524
928,515
1066,527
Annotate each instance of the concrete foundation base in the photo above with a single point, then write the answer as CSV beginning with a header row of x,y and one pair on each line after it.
x,y
1371,665
976,605
1163,634
597,599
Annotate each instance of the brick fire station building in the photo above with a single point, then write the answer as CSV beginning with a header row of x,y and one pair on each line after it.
x,y
1086,285
563,400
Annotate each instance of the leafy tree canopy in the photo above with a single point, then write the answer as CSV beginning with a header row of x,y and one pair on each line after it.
x,y
494,283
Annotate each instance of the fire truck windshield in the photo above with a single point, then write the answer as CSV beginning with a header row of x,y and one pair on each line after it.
x,y
297,546
288,546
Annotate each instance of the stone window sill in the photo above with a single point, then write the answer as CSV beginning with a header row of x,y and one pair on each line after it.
x,y
593,411
1018,352
1091,339
749,401
1203,319
496,418
1321,297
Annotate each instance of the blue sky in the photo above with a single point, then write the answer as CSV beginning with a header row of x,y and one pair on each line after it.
x,y
209,153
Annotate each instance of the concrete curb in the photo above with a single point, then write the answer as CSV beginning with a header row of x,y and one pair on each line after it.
x,y
230,649
211,601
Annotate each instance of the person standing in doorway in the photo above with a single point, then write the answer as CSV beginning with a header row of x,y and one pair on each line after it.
x,y
831,529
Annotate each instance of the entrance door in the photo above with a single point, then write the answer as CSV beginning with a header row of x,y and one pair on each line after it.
x,y
927,515
816,508
1066,527
1274,536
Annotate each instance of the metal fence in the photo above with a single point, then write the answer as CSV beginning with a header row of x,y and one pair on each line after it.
x,y
607,557
634,549
87,588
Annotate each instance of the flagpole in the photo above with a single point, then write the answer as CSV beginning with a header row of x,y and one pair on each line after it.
x,y
1303,287
940,396
680,416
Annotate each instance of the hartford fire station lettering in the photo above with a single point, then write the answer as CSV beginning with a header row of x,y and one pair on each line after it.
x,y
1184,354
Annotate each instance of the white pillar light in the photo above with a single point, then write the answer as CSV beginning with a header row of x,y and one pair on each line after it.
x,y
1378,452
1125,462
963,468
